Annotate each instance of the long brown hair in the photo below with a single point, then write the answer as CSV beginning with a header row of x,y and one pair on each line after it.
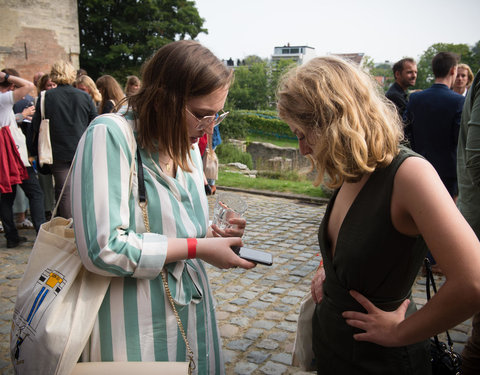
x,y
178,71
110,90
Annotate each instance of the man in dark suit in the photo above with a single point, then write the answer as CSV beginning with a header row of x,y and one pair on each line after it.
x,y
434,115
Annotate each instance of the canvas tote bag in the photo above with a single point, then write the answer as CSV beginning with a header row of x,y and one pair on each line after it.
x,y
45,155
56,306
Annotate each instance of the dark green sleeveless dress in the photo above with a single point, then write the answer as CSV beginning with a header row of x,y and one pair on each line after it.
x,y
373,258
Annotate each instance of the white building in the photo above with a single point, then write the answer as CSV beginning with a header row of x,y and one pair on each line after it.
x,y
300,54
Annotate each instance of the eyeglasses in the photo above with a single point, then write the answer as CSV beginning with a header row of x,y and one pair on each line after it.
x,y
205,121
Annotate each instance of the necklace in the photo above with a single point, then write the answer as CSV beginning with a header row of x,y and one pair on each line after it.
x,y
167,165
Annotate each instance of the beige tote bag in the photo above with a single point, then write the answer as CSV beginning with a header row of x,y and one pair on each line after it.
x,y
56,306
45,155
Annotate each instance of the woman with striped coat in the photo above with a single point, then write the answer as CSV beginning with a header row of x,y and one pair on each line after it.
x,y
184,89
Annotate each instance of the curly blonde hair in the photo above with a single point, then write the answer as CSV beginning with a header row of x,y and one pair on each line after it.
x,y
350,126
63,73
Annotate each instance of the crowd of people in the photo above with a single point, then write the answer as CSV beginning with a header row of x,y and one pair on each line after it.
x,y
391,160
69,111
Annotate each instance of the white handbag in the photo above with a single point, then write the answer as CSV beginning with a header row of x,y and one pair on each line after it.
x,y
56,306
45,155
302,348
57,303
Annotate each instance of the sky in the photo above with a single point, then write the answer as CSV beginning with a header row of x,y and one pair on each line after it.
x,y
385,30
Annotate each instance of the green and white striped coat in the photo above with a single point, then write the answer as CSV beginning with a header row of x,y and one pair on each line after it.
x,y
135,321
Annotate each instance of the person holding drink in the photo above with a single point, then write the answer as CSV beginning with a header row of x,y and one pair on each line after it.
x,y
386,196
184,88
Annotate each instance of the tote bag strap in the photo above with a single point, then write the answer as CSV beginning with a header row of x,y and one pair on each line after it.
x,y
431,281
42,104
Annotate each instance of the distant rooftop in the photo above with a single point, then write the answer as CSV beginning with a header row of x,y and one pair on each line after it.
x,y
300,54
353,57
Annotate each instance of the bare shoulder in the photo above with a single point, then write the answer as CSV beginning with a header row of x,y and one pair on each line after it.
x,y
416,174
418,192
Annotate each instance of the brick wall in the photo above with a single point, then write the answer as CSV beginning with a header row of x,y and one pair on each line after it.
x,y
36,33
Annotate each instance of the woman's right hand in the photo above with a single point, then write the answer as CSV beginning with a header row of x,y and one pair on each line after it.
x,y
317,285
218,252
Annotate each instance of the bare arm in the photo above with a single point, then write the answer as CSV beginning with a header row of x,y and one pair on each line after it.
x,y
23,86
421,205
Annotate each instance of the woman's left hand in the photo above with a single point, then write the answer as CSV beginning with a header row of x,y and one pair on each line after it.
x,y
236,230
381,327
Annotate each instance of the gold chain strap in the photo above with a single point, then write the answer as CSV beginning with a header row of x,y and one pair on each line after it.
x,y
191,362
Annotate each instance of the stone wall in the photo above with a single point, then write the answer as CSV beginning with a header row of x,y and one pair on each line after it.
x,y
267,156
36,33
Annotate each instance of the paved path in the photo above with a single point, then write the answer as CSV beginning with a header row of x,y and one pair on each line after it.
x,y
257,309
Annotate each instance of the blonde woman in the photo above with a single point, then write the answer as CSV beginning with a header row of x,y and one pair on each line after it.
x,y
112,93
386,196
464,79
85,83
132,86
70,111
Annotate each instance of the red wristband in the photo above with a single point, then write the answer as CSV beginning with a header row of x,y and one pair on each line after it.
x,y
192,247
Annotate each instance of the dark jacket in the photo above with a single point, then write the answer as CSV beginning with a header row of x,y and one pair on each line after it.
x,y
398,96
434,115
69,110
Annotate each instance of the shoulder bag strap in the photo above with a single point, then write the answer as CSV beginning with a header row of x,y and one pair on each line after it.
x,y
42,105
431,280
142,201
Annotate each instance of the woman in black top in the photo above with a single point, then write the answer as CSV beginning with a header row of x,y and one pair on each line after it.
x,y
387,196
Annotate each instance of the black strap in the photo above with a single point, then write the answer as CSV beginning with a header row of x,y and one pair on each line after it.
x,y
431,280
142,193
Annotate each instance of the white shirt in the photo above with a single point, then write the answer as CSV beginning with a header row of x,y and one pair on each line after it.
x,y
7,118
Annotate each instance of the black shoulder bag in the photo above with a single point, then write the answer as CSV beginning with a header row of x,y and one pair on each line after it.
x,y
444,359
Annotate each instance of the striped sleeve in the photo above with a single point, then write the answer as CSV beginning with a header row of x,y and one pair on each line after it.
x,y
104,210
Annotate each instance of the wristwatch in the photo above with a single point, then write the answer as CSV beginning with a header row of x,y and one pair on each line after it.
x,y
5,78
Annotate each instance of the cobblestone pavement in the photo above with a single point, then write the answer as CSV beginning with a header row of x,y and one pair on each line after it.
x,y
257,309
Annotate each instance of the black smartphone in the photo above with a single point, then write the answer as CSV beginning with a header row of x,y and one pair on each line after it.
x,y
256,256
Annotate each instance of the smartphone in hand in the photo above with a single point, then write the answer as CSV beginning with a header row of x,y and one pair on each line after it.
x,y
256,256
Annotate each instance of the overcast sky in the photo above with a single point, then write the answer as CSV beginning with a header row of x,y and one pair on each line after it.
x,y
382,29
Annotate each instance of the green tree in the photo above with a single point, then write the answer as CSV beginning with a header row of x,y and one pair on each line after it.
x,y
277,70
249,89
367,64
256,82
425,76
117,36
383,70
